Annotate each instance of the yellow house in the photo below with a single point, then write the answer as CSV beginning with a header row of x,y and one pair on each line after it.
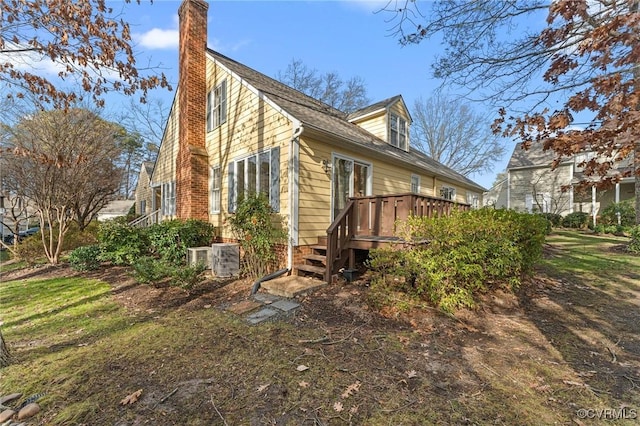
x,y
232,129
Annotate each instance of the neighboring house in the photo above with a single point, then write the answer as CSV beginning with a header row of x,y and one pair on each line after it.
x,y
115,208
15,215
531,185
146,201
233,130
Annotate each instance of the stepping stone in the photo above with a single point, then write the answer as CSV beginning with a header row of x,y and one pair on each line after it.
x,y
9,398
285,305
262,315
243,307
266,298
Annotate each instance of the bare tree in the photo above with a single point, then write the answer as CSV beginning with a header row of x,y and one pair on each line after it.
x,y
144,124
63,162
84,41
346,96
577,69
452,133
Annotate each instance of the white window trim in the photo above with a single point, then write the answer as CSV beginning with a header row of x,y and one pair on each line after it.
x,y
212,195
244,159
369,184
217,106
446,190
417,179
169,198
398,119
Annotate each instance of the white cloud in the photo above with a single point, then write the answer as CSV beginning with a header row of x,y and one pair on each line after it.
x,y
219,46
158,38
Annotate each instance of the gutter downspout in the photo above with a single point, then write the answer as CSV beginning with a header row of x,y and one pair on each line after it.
x,y
294,149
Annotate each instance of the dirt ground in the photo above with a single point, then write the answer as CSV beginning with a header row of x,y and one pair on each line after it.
x,y
542,356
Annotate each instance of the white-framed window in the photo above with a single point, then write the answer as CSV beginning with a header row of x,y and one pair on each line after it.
x,y
398,132
543,203
415,184
448,192
254,174
217,106
169,198
143,207
215,185
473,200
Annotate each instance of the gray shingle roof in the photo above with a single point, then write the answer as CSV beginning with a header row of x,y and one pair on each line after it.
x,y
148,167
324,118
373,107
535,156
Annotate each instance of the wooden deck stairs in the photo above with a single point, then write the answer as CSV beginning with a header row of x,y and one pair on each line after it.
x,y
315,263
366,223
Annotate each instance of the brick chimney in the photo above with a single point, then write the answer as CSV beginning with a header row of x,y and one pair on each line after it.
x,y
192,174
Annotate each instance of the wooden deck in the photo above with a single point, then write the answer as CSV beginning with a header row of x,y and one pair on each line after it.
x,y
369,222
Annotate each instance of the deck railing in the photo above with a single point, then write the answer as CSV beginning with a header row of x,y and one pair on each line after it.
x,y
376,216
146,220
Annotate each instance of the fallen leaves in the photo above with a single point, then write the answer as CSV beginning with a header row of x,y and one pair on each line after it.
x,y
351,389
132,398
302,367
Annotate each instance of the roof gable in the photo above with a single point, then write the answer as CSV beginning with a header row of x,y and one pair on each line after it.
x,y
314,114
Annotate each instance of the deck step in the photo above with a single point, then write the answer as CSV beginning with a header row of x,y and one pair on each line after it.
x,y
322,240
316,257
318,247
310,268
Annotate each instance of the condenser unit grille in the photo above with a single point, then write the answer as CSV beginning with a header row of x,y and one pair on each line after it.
x,y
199,255
226,259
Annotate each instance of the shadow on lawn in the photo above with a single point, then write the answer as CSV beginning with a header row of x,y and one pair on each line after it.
x,y
594,326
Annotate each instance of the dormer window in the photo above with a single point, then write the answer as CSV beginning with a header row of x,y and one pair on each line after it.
x,y
398,132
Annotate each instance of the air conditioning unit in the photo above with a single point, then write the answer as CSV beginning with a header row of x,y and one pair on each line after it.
x,y
226,259
196,255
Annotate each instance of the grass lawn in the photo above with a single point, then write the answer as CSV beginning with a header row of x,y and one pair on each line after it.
x,y
569,341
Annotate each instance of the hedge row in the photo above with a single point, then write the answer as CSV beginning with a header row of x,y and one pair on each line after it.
x,y
448,261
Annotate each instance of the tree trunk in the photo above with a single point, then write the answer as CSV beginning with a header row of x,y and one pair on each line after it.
x,y
5,357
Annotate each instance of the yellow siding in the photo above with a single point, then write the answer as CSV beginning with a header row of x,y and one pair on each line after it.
x,y
315,185
252,126
143,192
376,125
165,168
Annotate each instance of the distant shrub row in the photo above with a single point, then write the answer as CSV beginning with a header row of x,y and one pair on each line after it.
x,y
450,260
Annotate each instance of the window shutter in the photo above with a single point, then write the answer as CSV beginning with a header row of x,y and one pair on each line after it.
x,y
209,110
274,189
528,202
232,192
223,102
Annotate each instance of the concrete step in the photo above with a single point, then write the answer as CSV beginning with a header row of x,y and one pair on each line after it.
x,y
291,286
316,257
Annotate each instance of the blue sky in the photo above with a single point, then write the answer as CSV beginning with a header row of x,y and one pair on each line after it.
x,y
347,37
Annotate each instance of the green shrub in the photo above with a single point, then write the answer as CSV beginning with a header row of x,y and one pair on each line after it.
x,y
554,218
627,210
576,220
258,231
449,260
122,244
30,249
634,244
188,276
149,270
85,258
171,239
75,238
